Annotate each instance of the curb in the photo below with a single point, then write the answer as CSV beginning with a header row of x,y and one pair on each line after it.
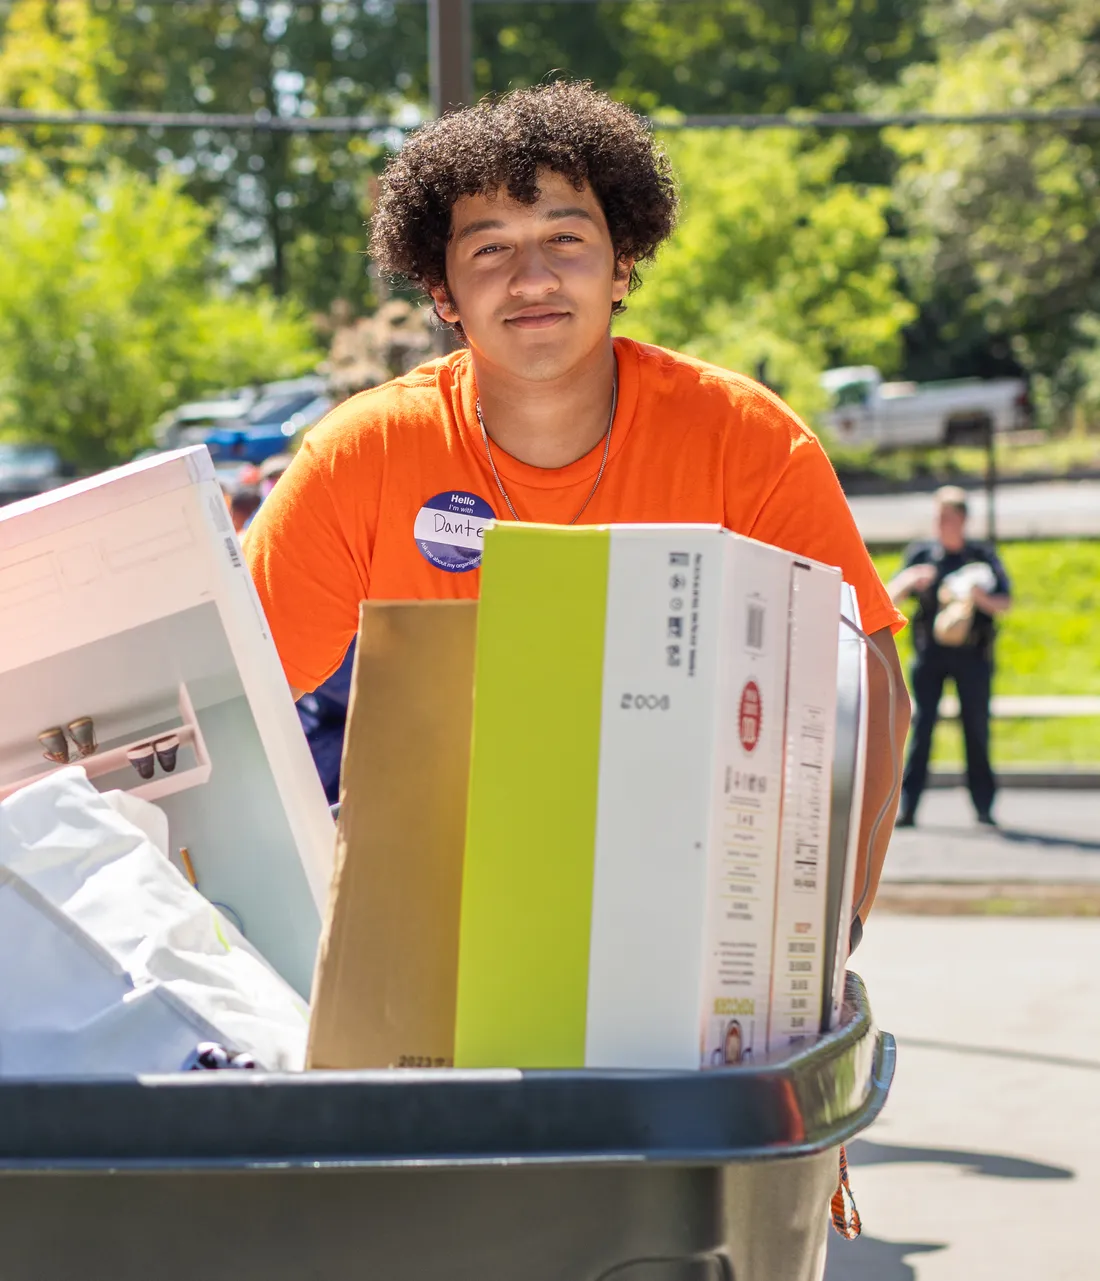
x,y
987,898
1048,777
862,484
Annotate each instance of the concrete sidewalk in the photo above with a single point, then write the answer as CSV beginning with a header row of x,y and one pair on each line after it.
x,y
1044,837
985,1164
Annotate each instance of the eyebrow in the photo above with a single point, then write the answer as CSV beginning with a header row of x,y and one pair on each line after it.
x,y
482,224
495,224
570,211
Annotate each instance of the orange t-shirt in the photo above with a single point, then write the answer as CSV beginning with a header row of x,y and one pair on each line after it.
x,y
385,497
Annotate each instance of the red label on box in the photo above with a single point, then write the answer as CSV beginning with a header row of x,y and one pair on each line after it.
x,y
748,716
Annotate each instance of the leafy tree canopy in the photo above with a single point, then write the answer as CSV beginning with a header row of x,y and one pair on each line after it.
x,y
111,312
1004,223
774,261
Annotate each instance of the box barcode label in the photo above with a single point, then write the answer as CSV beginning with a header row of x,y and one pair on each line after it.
x,y
754,626
234,552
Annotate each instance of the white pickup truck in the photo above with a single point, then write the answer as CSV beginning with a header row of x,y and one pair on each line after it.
x,y
864,410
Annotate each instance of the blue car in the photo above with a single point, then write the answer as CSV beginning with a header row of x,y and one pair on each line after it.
x,y
280,413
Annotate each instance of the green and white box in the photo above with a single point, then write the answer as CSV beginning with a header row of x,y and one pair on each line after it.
x,y
623,833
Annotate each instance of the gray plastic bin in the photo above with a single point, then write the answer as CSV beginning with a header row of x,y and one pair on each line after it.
x,y
722,1175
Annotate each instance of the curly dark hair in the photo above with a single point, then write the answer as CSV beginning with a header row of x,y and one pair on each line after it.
x,y
566,127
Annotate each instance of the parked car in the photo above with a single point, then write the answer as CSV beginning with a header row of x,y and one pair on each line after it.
x,y
865,410
190,424
282,410
27,469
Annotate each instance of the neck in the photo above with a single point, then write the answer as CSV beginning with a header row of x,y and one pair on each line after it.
x,y
548,423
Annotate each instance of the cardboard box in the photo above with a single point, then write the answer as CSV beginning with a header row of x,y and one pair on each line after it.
x,y
849,768
800,967
385,989
124,598
622,857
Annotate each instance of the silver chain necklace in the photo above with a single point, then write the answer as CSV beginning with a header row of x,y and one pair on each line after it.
x,y
599,474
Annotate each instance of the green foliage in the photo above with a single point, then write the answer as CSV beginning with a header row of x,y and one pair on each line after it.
x,y
703,56
54,55
1004,222
995,232
774,260
293,207
110,313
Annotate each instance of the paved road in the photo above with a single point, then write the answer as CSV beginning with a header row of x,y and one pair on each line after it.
x,y
1062,509
1050,837
985,1164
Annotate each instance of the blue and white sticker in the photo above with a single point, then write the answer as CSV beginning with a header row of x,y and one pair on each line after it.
x,y
450,530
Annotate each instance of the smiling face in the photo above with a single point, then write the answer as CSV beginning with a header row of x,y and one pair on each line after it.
x,y
533,285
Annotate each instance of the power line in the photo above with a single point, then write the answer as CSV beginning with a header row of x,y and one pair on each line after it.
x,y
864,120
260,122
263,122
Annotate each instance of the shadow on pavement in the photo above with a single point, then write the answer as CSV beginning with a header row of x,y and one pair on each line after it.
x,y
1019,836
1012,835
997,1052
871,1259
867,1152
868,1259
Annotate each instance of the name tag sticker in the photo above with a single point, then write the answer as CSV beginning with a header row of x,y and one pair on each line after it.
x,y
450,528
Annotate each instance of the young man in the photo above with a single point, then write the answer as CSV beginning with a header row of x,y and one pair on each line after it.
x,y
524,220
968,661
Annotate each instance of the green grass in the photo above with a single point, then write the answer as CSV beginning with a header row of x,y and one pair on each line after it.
x,y
1057,455
1047,644
1062,741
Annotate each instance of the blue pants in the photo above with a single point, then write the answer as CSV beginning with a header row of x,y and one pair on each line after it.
x,y
973,675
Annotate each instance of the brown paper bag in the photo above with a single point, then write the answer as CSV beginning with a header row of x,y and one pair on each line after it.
x,y
384,987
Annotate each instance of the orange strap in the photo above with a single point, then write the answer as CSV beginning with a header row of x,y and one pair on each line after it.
x,y
847,1225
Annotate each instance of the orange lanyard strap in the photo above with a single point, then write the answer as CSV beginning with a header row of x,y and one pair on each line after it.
x,y
847,1224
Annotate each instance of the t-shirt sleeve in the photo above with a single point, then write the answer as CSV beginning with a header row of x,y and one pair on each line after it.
x,y
916,554
1002,587
806,512
308,573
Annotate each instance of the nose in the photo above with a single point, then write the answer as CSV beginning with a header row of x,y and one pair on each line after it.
x,y
533,276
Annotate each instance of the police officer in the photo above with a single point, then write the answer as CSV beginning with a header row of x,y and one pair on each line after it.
x,y
953,637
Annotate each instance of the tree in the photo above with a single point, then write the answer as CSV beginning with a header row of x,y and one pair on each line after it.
x,y
292,208
1004,223
774,261
54,55
111,311
703,56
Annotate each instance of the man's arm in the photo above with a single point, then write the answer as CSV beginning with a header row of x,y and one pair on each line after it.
x,y
881,765
995,602
910,581
999,600
309,573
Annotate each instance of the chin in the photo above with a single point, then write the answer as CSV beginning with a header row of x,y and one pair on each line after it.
x,y
540,362
548,359
544,369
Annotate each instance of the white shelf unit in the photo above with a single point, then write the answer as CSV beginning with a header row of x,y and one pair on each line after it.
x,y
189,734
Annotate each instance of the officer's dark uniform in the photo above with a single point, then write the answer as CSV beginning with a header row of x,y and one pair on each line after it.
x,y
969,665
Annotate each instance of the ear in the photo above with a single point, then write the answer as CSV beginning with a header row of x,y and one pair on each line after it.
x,y
444,304
620,286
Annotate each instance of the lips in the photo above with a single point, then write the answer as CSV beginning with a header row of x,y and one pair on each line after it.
x,y
536,318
